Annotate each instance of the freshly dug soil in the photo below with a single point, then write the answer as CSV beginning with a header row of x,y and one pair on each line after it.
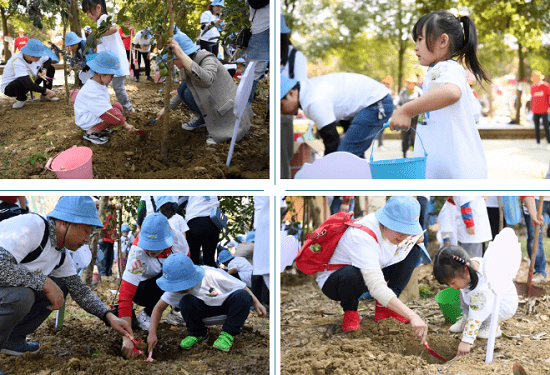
x,y
85,346
40,130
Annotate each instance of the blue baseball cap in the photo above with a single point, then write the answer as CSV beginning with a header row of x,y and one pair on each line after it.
x,y
35,48
284,27
287,84
179,273
88,28
250,236
240,60
186,43
155,234
106,62
161,201
76,210
218,2
125,228
224,256
401,214
71,39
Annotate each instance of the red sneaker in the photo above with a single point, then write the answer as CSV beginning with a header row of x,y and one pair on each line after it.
x,y
382,312
351,321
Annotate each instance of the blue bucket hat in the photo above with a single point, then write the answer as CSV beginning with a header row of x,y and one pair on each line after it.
x,y
284,27
401,214
76,210
179,273
71,39
218,2
155,234
224,256
161,201
125,228
240,60
250,236
147,33
106,62
186,43
35,48
287,84
88,28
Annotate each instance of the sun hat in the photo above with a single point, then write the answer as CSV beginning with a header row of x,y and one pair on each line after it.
x,y
155,234
35,48
240,60
125,228
401,214
106,62
224,256
284,27
217,2
287,84
412,78
186,43
250,236
76,210
179,273
87,28
147,33
388,80
71,39
161,201
20,30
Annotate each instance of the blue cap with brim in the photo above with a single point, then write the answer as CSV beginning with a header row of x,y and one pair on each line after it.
x,y
401,214
186,43
106,62
224,256
179,273
125,228
161,201
251,236
35,48
218,3
240,60
71,39
88,28
76,210
155,234
287,84
284,27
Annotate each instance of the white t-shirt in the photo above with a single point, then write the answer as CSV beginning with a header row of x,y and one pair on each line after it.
x,y
338,96
213,290
18,67
145,43
244,268
361,250
259,19
451,221
213,34
300,65
262,246
125,244
91,102
177,222
198,206
141,266
449,134
114,44
20,235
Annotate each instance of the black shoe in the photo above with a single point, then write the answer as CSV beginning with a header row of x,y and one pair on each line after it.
x,y
137,79
104,132
150,79
95,138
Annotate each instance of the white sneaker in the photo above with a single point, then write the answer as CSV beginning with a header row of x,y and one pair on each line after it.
x,y
144,321
19,104
459,325
210,141
485,328
538,278
46,98
175,318
548,146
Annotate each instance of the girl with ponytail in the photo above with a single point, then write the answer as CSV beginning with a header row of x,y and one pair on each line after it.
x,y
448,110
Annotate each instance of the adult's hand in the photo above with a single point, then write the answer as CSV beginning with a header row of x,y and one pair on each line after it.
x,y
54,294
400,119
420,328
128,348
120,325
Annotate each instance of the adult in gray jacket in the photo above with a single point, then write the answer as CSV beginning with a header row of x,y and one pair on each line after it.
x,y
208,90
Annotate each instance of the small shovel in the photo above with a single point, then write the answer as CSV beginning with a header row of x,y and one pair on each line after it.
x,y
432,352
142,133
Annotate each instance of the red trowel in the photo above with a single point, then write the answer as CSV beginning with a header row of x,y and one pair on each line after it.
x,y
432,352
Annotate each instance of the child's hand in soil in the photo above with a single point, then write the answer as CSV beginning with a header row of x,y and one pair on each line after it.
x,y
463,348
160,115
129,128
260,309
151,341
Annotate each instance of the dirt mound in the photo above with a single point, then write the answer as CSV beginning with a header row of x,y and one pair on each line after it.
x,y
40,130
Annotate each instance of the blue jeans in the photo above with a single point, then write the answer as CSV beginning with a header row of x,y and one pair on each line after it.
x,y
540,260
364,127
337,202
187,97
105,258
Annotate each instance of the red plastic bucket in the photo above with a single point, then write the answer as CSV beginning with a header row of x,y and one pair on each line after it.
x,y
74,163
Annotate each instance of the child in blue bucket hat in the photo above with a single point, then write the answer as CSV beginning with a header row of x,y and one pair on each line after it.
x,y
236,266
77,46
26,70
211,26
379,258
92,108
38,271
201,292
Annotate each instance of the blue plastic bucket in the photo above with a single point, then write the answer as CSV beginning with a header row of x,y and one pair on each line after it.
x,y
411,168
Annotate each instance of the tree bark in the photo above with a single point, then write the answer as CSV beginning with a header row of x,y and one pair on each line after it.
x,y
167,90
75,18
95,240
521,74
5,32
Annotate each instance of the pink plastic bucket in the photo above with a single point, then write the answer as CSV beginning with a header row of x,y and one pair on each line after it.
x,y
96,277
74,163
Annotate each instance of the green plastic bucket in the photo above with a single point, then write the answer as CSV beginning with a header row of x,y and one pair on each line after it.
x,y
449,303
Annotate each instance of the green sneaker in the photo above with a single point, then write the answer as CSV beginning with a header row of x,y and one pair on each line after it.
x,y
190,341
224,342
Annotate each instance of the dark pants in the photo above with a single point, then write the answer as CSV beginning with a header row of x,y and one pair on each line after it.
x,y
130,58
347,284
148,294
236,307
423,219
536,119
145,56
407,136
22,311
203,233
260,290
16,90
211,47
494,218
287,144
105,258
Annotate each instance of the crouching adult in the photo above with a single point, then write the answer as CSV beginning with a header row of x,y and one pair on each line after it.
x,y
37,273
153,245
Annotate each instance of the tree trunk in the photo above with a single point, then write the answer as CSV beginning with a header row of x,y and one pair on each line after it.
x,y
490,100
5,32
75,18
65,76
167,89
521,74
119,234
95,240
402,48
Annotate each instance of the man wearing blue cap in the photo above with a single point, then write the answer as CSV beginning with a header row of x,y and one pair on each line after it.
x,y
335,97
26,70
142,43
36,272
380,260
